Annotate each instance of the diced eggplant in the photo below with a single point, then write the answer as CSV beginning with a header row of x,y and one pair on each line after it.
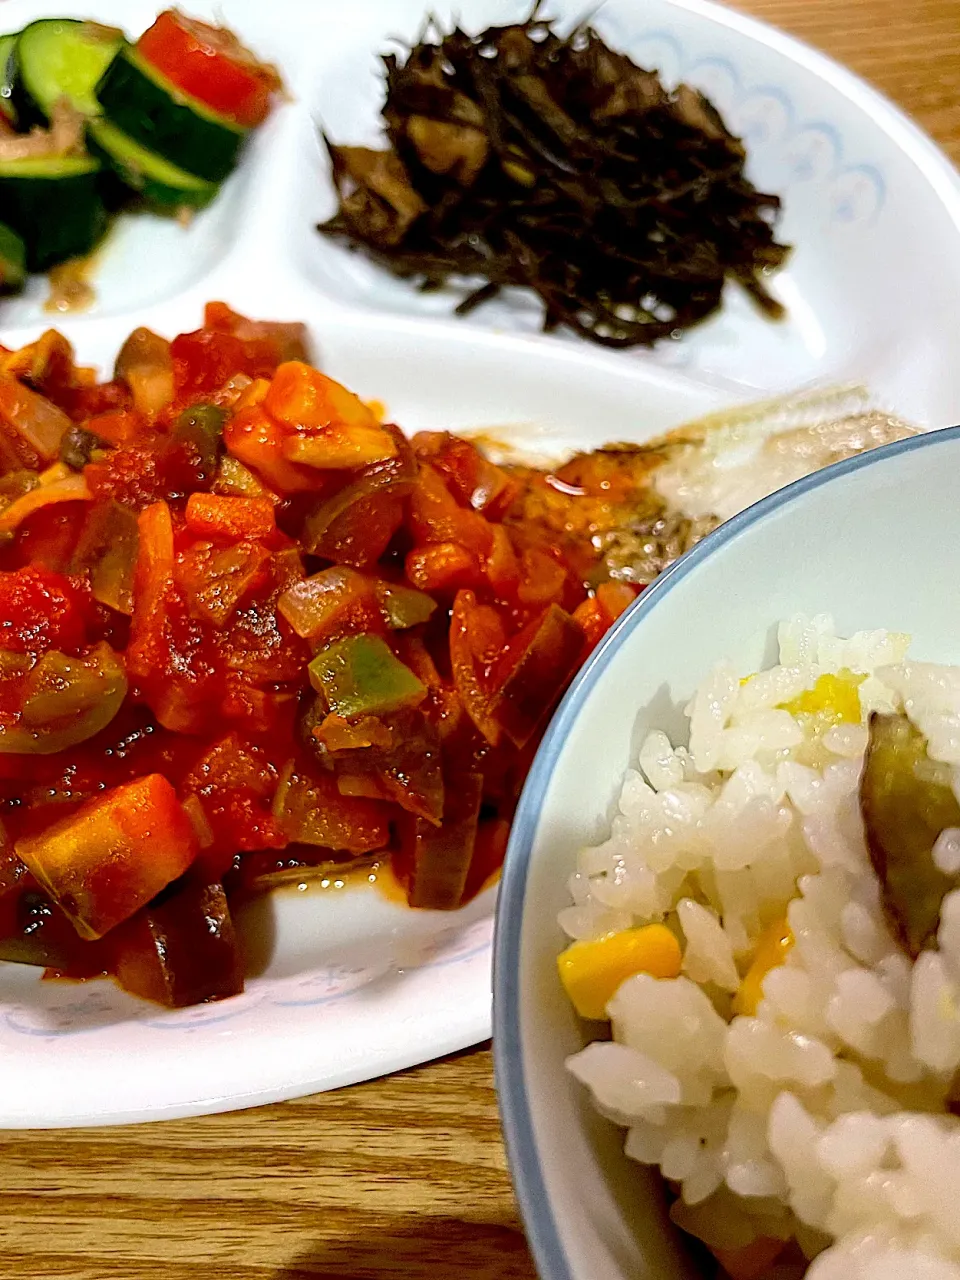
x,y
906,800
182,948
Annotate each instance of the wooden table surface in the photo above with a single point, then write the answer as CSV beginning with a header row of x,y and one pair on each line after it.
x,y
405,1177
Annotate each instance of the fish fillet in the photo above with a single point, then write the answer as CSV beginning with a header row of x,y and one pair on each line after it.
x,y
627,511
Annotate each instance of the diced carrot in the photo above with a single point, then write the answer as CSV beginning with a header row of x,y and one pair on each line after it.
x,y
597,614
442,566
593,619
114,854
257,440
303,397
212,515
116,426
252,395
154,572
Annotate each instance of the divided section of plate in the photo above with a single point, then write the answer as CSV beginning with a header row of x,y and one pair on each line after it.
x,y
350,984
861,188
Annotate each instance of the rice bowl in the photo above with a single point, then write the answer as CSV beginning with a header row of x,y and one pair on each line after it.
x,y
809,1126
871,542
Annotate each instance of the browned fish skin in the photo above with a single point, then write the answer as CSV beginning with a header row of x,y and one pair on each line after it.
x,y
602,509
628,511
906,801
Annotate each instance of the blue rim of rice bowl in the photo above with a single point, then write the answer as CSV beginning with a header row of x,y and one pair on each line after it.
x,y
539,1219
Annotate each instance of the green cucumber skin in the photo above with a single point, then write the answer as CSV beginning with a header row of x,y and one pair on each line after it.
x,y
162,195
31,110
28,115
8,45
56,217
13,266
150,114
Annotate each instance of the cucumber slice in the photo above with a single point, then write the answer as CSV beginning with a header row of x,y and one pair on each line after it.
x,y
7,63
13,260
54,205
153,112
153,177
61,58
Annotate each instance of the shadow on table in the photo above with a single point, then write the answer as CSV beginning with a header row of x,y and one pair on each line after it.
x,y
409,1247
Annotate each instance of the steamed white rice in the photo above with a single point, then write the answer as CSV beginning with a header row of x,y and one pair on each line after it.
x,y
821,1118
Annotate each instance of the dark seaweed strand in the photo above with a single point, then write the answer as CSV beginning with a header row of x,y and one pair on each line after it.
x,y
574,173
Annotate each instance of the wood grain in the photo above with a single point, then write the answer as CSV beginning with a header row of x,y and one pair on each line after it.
x,y
402,1178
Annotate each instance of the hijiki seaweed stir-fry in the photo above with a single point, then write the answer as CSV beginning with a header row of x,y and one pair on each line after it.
x,y
521,157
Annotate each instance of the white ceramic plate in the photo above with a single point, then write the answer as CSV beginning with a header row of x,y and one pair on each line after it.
x,y
355,986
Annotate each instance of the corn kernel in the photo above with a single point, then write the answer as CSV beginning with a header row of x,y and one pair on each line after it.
x,y
591,971
772,948
834,698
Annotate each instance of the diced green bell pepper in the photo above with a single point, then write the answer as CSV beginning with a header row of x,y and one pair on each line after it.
x,y
360,675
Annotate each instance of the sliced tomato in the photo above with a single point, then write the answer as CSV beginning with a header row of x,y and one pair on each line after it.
x,y
212,66
468,680
436,516
533,671
205,360
476,481
235,784
39,610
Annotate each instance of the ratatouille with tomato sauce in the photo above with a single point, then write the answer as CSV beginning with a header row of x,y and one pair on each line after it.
x,y
247,626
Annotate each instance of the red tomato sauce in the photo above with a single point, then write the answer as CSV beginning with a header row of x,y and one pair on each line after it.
x,y
246,628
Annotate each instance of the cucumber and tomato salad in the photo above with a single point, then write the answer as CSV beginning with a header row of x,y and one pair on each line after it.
x,y
54,204
60,58
159,182
138,100
166,118
177,107
211,67
50,188
8,115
